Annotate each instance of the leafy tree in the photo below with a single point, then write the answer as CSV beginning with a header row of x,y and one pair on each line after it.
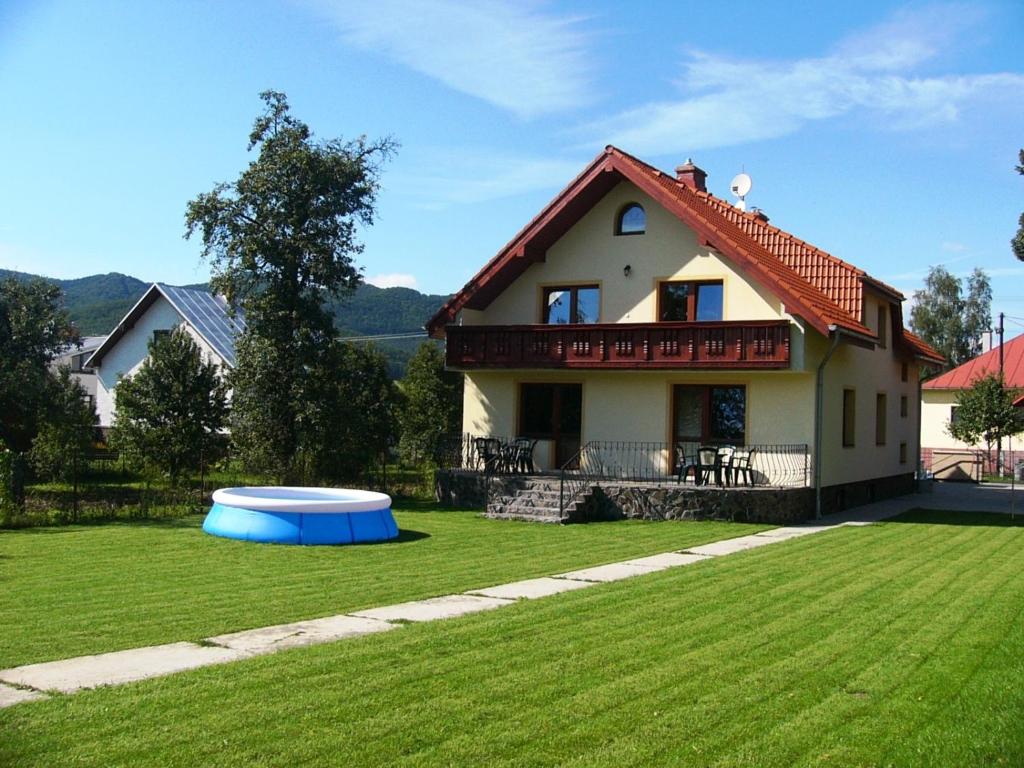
x,y
1017,244
34,328
986,412
359,412
68,430
433,405
947,320
281,240
170,413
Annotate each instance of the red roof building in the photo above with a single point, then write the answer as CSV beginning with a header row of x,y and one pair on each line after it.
x,y
698,323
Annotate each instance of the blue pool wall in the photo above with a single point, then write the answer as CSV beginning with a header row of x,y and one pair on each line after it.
x,y
300,528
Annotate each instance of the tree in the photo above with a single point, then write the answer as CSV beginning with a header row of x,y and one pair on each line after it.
x,y
34,328
947,320
433,405
1017,244
281,240
986,412
169,415
68,429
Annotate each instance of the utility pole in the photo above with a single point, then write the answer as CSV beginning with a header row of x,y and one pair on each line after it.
x,y
1002,386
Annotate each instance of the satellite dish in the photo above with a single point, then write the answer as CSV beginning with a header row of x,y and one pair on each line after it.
x,y
740,185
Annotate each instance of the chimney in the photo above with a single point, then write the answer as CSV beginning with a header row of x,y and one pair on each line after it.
x,y
692,176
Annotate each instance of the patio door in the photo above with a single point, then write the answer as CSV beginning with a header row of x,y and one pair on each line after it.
x,y
712,415
552,412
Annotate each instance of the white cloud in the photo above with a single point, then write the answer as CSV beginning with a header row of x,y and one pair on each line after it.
x,y
869,76
444,177
393,280
953,247
517,58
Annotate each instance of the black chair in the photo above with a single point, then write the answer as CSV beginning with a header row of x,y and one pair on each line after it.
x,y
708,465
522,455
684,463
488,453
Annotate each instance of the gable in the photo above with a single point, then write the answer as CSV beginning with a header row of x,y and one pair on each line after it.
x,y
590,252
689,206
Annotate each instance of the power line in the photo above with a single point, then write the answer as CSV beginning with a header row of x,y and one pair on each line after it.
x,y
387,336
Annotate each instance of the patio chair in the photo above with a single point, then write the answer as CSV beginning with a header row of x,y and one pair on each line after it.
x,y
708,465
684,462
522,458
741,466
723,472
488,453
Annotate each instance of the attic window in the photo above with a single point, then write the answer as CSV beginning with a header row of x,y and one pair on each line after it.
x,y
632,220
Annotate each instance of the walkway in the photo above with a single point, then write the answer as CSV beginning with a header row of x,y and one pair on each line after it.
x,y
33,681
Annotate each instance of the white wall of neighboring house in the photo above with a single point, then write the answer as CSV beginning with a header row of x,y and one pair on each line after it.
x,y
127,355
936,406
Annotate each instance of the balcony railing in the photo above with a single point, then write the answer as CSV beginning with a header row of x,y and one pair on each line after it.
x,y
753,344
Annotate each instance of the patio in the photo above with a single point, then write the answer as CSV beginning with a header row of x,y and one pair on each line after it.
x,y
610,480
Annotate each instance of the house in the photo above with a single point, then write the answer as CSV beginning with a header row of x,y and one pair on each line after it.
x,y
942,453
207,319
637,307
75,358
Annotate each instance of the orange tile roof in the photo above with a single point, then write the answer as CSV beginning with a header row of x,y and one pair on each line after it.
x,y
823,289
963,376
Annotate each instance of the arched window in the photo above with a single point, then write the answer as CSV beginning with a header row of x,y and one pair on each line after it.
x,y
632,220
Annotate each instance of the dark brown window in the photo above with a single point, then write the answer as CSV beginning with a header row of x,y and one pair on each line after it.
x,y
160,335
572,304
632,220
680,301
903,372
904,409
903,453
880,416
711,414
883,310
849,417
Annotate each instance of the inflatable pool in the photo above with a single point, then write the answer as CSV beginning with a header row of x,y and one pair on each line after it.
x,y
283,515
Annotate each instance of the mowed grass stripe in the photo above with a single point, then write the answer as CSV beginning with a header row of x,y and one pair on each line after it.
x,y
90,589
894,644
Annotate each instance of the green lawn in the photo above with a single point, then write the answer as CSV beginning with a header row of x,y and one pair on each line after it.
x,y
75,590
896,644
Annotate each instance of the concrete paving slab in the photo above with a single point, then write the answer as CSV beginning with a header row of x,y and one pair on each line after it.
x,y
9,695
610,572
793,531
531,589
435,608
729,546
666,560
300,633
70,675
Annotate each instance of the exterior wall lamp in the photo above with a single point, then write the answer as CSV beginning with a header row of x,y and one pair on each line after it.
x,y
626,270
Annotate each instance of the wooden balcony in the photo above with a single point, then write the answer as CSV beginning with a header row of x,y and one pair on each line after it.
x,y
643,346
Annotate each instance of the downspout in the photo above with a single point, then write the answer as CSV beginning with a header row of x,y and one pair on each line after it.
x,y
819,408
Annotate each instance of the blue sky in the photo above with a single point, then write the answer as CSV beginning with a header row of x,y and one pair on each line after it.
x,y
885,133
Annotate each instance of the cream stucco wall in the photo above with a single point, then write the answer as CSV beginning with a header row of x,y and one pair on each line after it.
x,y
125,357
935,413
637,405
591,253
867,373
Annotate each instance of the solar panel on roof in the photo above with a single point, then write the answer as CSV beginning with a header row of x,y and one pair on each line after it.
x,y
209,316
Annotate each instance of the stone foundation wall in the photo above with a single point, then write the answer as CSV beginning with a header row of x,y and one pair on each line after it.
x,y
745,505
461,489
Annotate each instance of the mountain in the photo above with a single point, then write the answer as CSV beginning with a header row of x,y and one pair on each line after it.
x,y
98,302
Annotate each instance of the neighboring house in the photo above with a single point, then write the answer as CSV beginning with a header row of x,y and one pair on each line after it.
x,y
939,397
161,309
638,307
75,358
